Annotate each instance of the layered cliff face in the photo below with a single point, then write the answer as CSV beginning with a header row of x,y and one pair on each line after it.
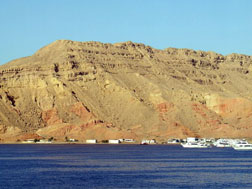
x,y
125,90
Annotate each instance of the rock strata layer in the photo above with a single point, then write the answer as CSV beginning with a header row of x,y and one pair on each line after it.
x,y
92,90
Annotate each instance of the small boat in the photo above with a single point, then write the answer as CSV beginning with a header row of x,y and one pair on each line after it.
x,y
195,145
242,146
223,145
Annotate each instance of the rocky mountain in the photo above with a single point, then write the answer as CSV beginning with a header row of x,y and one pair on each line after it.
x,y
86,90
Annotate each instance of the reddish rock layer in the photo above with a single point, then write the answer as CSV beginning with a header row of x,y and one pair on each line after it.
x,y
125,90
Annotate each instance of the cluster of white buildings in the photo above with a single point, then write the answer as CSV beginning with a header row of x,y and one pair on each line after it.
x,y
118,141
112,141
237,144
152,141
190,142
41,141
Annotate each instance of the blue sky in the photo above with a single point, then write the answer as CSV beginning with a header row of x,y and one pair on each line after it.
x,y
223,26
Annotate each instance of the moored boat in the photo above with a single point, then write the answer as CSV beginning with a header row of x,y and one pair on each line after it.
x,y
242,146
223,143
195,145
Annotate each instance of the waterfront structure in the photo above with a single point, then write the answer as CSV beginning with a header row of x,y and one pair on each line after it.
x,y
29,141
129,140
91,141
191,139
44,141
152,141
113,141
73,140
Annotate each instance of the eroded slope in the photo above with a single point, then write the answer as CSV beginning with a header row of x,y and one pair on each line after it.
x,y
95,90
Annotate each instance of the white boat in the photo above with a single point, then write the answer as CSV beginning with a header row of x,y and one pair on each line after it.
x,y
238,141
44,142
242,146
223,143
195,145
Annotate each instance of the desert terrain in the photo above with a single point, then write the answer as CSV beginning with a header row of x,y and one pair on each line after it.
x,y
93,90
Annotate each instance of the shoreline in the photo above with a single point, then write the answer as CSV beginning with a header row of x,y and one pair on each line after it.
x,y
81,143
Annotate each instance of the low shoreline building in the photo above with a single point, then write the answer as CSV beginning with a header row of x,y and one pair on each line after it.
x,y
152,141
114,141
91,141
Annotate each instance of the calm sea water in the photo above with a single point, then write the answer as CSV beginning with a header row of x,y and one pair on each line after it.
x,y
123,166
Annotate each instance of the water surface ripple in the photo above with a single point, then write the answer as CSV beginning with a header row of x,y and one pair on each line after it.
x,y
123,166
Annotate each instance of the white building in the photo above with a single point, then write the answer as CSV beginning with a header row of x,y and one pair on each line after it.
x,y
44,141
114,141
73,140
153,141
191,139
91,141
129,140
29,141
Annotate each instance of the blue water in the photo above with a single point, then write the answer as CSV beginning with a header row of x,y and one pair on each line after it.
x,y
123,166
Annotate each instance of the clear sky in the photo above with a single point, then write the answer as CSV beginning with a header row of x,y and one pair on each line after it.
x,y
223,26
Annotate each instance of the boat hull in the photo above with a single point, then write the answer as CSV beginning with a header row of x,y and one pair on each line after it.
x,y
194,146
242,148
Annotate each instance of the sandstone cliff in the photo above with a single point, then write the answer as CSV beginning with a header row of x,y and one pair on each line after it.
x,y
125,90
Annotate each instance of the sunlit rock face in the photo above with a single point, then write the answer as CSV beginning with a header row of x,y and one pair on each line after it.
x,y
125,90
